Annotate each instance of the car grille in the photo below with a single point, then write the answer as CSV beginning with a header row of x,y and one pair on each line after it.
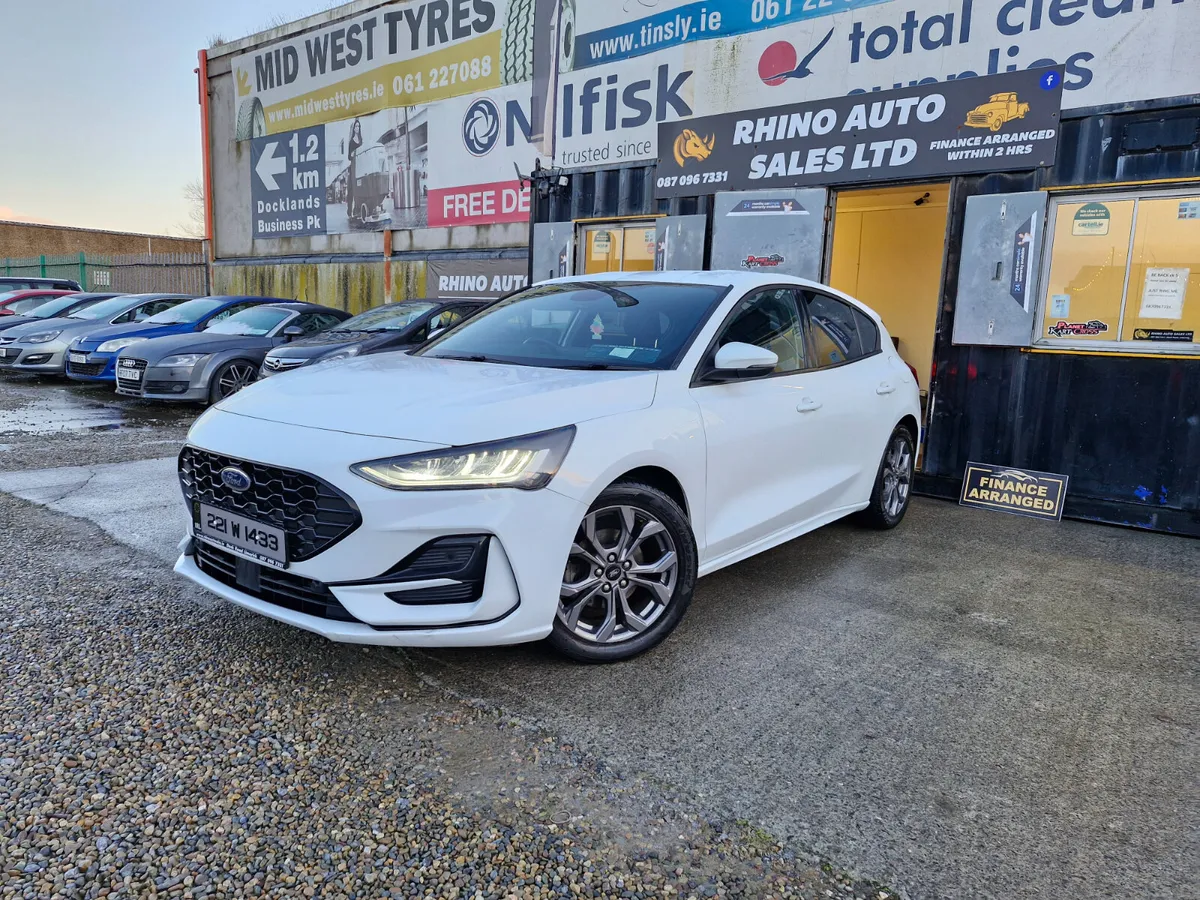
x,y
9,355
978,118
90,370
314,514
130,384
302,595
162,387
272,364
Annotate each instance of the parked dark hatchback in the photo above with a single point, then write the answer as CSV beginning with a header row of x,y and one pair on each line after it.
x,y
21,283
396,326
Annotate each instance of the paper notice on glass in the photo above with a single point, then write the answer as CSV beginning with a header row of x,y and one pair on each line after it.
x,y
1163,293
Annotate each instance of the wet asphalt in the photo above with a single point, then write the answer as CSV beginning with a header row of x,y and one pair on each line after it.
x,y
972,705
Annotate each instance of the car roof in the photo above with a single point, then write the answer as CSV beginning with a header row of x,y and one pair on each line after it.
x,y
36,292
302,306
734,278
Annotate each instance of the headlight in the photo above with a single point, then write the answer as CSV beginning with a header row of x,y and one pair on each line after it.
x,y
41,337
344,353
118,344
527,463
182,361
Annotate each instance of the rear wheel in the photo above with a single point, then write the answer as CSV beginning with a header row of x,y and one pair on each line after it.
x,y
629,577
893,483
231,378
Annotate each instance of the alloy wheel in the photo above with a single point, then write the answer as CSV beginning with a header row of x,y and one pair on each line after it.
x,y
620,576
897,475
235,377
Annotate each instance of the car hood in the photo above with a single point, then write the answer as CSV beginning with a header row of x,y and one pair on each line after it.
x,y
69,328
309,348
440,401
10,322
158,348
142,330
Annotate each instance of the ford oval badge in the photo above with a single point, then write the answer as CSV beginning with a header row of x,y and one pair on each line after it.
x,y
235,479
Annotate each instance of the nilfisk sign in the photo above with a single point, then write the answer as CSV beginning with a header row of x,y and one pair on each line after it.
x,y
975,125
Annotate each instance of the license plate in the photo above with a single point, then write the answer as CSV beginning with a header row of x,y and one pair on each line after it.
x,y
130,373
263,543
78,358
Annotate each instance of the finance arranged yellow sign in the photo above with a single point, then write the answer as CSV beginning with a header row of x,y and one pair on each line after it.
x,y
1020,491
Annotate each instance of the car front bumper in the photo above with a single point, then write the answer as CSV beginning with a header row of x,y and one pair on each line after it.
x,y
35,359
96,367
528,535
183,383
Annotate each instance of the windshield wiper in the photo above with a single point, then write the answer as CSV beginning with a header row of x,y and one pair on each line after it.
x,y
475,358
591,367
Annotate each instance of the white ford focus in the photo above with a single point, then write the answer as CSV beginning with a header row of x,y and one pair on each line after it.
x,y
564,464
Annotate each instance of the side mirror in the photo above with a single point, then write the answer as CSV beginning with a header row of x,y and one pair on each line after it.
x,y
292,332
737,360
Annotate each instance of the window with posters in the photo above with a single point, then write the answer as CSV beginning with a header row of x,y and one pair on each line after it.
x,y
618,247
1123,273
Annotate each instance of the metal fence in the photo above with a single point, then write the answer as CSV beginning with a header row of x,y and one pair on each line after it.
x,y
130,273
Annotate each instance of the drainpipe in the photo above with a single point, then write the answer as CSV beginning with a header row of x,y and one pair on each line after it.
x,y
202,85
387,265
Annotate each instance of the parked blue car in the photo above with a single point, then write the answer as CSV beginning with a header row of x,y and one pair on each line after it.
x,y
93,356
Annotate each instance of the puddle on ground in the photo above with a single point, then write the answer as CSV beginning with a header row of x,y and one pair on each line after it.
x,y
53,409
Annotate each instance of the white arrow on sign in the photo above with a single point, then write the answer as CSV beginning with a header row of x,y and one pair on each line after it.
x,y
270,165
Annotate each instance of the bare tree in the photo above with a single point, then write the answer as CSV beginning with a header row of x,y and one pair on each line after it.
x,y
193,226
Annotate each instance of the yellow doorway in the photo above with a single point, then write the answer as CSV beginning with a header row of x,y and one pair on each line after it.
x,y
888,245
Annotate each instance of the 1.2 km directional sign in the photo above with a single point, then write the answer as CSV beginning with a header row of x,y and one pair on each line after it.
x,y
288,183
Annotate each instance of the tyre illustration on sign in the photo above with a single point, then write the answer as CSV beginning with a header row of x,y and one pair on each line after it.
x,y
538,45
999,109
251,120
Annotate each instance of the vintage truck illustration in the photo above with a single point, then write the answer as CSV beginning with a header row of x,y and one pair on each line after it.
x,y
999,109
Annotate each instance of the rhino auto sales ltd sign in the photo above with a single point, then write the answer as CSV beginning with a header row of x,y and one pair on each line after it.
x,y
989,124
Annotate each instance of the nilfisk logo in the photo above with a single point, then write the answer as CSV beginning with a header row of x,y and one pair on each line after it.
x,y
481,127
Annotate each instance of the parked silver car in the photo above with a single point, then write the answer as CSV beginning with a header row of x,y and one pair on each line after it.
x,y
221,360
39,347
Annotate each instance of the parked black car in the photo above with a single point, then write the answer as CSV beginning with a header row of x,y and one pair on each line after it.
x,y
222,359
21,283
396,326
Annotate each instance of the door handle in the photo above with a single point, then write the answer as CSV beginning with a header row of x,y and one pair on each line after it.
x,y
885,388
808,404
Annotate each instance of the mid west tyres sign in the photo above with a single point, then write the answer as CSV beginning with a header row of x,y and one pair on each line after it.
x,y
975,125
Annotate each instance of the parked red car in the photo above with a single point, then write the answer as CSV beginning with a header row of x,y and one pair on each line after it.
x,y
14,303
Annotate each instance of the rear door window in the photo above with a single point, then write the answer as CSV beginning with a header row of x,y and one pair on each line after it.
x,y
839,332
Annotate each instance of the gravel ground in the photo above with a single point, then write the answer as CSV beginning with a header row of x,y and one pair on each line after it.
x,y
155,742
48,422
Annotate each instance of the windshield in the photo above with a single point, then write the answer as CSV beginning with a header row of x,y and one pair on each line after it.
x,y
584,325
104,308
185,313
393,317
20,307
254,322
54,307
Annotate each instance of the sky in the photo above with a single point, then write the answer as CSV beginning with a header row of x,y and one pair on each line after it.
x,y
99,105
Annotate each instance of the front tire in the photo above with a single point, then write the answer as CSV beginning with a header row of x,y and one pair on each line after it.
x,y
629,577
893,483
231,378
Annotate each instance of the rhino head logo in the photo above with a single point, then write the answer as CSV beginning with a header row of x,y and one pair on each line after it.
x,y
690,145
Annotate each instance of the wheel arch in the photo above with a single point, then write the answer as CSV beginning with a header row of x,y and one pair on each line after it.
x,y
663,479
910,422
